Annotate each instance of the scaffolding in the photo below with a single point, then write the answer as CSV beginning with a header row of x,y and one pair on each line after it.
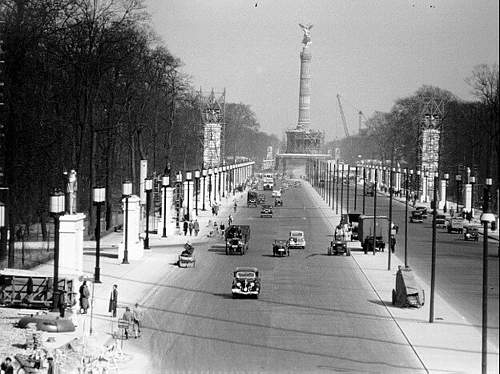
x,y
304,141
212,128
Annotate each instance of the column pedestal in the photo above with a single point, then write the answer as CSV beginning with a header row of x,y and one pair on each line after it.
x,y
71,245
468,198
134,245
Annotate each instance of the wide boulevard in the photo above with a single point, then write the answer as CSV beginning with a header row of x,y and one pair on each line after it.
x,y
315,313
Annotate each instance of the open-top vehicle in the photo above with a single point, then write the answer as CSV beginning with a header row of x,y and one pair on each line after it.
x,y
187,256
296,239
338,247
246,282
422,209
471,233
280,248
252,199
237,237
266,211
278,201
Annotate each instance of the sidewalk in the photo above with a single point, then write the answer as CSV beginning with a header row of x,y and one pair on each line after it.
x,y
450,344
136,282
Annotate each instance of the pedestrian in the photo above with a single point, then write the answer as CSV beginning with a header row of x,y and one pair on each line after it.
x,y
196,227
229,220
84,298
129,317
61,303
235,206
222,228
191,226
216,228
216,209
185,226
6,366
137,315
113,300
213,210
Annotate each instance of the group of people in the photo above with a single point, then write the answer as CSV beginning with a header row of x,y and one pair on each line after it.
x,y
219,228
133,317
190,225
343,232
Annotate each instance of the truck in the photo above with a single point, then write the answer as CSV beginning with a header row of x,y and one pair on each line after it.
x,y
268,181
237,238
365,232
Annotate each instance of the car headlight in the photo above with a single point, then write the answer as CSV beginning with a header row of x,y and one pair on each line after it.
x,y
252,284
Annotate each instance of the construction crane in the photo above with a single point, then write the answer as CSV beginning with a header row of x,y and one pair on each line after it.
x,y
344,122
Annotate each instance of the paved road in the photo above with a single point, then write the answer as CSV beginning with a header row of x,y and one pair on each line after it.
x,y
458,263
315,313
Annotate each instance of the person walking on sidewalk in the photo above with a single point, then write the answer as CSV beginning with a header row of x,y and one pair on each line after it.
x,y
229,220
196,227
222,229
185,226
191,226
84,298
61,303
129,317
137,316
113,300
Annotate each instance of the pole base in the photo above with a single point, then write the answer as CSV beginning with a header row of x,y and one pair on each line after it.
x,y
146,243
97,275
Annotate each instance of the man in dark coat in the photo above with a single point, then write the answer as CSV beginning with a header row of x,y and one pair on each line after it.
x,y
113,300
61,303
84,298
185,226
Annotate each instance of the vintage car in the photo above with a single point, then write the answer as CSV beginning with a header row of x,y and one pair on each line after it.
x,y
246,282
422,209
368,244
338,247
440,220
266,211
471,233
278,201
252,199
416,217
455,224
280,248
237,237
276,193
187,256
296,239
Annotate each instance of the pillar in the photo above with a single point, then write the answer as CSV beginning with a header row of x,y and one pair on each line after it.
x,y
134,245
71,245
442,194
468,197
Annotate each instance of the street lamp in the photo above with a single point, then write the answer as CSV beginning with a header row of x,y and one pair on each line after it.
x,y
189,177
391,189
433,249
487,217
98,197
204,175
196,189
426,185
337,189
355,187
458,180
446,178
348,185
406,215
210,185
165,182
148,187
178,198
56,209
375,214
342,190
216,184
418,185
126,193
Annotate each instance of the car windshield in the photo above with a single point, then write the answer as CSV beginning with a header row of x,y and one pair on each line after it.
x,y
296,234
245,274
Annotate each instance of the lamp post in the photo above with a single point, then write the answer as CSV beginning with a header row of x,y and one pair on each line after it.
x,y
375,214
433,258
458,180
216,184
333,187
148,187
406,214
391,189
126,193
197,174
348,186
189,177
165,182
426,175
56,209
204,175
355,187
337,190
178,198
486,218
446,178
210,185
342,190
223,177
98,197
418,185
364,188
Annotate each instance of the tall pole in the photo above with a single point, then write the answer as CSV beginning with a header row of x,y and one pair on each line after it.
x,y
375,214
55,286
391,189
348,185
333,187
97,270
125,252
164,212
148,209
406,218
433,261
337,191
355,187
486,218
364,188
342,190
330,184
204,173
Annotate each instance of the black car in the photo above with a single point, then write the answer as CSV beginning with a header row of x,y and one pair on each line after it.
x,y
266,211
246,282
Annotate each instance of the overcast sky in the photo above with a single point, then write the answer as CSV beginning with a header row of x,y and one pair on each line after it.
x,y
370,51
